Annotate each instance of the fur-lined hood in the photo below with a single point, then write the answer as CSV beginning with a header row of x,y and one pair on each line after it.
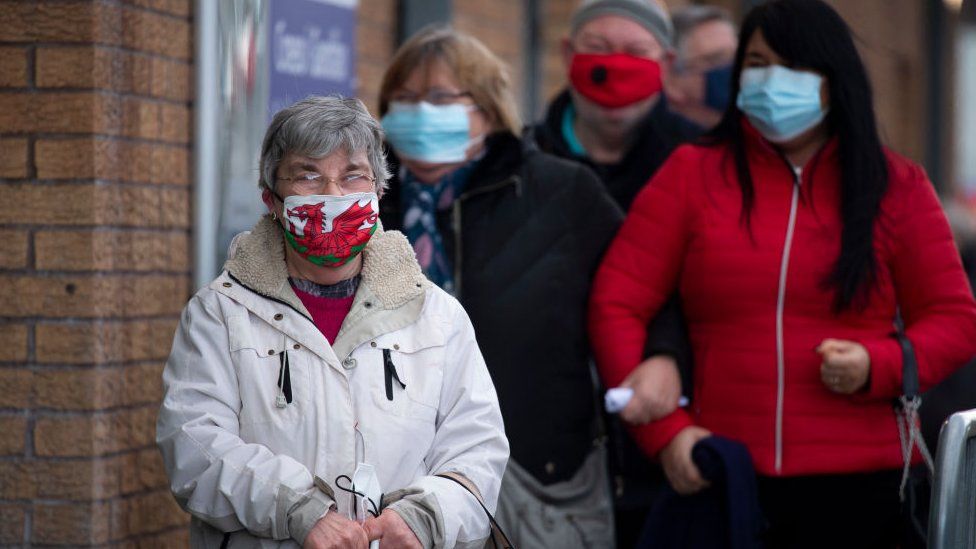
x,y
390,268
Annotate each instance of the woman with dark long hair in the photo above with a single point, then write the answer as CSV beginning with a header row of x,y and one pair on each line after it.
x,y
794,238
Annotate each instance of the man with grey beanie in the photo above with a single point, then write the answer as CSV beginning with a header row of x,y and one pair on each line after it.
x,y
613,118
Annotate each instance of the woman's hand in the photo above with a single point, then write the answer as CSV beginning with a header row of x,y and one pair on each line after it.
x,y
392,530
846,366
657,388
681,471
334,531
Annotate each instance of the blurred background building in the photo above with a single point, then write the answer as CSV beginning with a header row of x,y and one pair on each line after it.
x,y
128,145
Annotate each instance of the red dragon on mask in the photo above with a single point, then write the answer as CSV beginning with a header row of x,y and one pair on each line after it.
x,y
347,238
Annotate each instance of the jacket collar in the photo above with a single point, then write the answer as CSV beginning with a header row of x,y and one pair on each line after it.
x,y
390,268
660,127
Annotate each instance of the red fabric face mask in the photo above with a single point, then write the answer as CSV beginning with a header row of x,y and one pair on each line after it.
x,y
614,80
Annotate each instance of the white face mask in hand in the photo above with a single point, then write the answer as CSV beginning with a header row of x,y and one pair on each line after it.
x,y
366,483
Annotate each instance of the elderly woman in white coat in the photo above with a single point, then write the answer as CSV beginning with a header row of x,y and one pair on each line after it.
x,y
321,369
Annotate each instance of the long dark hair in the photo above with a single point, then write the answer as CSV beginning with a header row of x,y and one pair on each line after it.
x,y
810,34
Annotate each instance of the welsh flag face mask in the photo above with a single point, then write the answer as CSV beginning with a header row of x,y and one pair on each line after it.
x,y
330,230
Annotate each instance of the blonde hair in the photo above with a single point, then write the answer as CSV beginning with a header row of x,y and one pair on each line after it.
x,y
478,71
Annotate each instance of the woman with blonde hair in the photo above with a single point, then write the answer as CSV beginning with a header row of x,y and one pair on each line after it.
x,y
516,235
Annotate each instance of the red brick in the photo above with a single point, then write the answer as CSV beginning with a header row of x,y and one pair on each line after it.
x,y
71,524
111,159
13,250
101,342
155,33
12,521
15,387
81,436
58,112
171,79
14,347
13,67
179,537
111,250
95,205
15,480
13,157
84,21
77,479
143,384
16,21
142,470
86,389
377,12
154,512
13,431
140,118
94,67
170,164
92,296
95,434
175,123
181,8
71,67
16,112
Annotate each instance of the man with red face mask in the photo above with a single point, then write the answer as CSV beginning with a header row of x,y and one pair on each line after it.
x,y
613,115
613,118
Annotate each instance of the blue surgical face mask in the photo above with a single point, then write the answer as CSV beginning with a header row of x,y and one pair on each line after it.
x,y
717,84
438,134
781,103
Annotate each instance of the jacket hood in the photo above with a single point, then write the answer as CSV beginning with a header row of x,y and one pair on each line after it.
x,y
390,268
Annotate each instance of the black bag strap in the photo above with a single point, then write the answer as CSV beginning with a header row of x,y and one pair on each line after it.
x,y
909,362
498,538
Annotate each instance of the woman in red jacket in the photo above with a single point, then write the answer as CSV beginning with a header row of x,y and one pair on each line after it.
x,y
793,238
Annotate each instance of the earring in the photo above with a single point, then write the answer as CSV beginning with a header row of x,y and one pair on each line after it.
x,y
274,216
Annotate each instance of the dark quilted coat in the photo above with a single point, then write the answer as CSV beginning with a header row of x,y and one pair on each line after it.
x,y
684,232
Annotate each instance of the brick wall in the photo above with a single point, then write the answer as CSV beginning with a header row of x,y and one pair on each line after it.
x,y
501,26
376,32
95,125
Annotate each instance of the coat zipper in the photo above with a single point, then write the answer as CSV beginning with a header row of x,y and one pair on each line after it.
x,y
780,305
456,222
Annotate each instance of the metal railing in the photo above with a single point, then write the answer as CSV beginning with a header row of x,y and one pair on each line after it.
x,y
952,521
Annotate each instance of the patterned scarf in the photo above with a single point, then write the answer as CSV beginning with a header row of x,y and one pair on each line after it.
x,y
420,203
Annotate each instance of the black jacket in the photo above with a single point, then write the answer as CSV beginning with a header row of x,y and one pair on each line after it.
x,y
658,135
636,480
527,235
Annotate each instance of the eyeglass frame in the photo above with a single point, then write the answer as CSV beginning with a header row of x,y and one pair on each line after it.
x,y
326,180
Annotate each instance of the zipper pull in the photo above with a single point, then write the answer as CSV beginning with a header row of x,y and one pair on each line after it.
x,y
284,381
390,373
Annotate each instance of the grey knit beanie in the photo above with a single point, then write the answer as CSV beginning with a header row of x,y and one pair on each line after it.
x,y
647,13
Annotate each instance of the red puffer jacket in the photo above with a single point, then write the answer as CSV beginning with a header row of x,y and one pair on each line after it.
x,y
756,307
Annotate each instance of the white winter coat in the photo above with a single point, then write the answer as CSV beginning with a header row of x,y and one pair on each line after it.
x,y
239,463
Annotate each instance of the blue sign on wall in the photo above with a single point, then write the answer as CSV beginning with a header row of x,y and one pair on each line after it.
x,y
313,49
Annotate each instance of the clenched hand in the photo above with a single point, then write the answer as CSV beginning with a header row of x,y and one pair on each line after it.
x,y
846,366
657,388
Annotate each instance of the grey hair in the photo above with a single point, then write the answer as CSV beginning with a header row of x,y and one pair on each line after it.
x,y
316,127
689,18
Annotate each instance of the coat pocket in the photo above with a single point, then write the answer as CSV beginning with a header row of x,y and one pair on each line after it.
x,y
272,376
406,381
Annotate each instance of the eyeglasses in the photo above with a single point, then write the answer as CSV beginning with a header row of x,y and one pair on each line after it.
x,y
311,182
434,97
